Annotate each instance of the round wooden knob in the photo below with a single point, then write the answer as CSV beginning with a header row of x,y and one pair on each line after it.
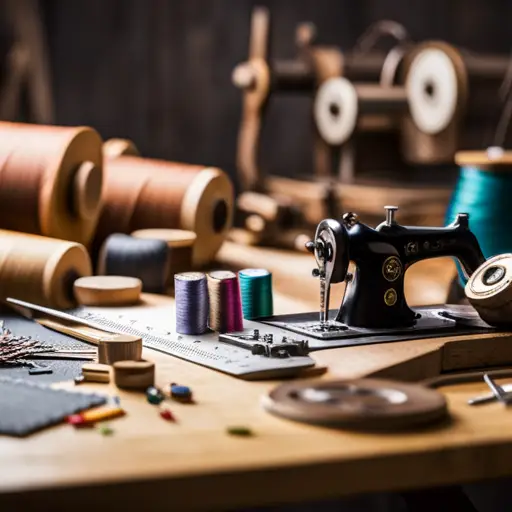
x,y
138,375
119,347
87,190
107,290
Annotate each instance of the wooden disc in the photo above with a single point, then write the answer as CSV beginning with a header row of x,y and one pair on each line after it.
x,y
173,237
363,404
112,148
492,159
107,290
119,347
489,290
134,374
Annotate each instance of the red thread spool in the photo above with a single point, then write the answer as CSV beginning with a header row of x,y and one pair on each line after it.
x,y
225,302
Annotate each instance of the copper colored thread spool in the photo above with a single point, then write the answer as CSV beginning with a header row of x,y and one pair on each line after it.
x,y
113,148
50,180
142,193
41,270
180,244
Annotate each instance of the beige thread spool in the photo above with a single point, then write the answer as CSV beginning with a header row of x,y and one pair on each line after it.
x,y
180,244
50,180
107,290
143,193
138,375
119,347
41,270
489,290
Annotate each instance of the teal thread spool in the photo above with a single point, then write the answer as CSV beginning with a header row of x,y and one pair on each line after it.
x,y
256,291
484,190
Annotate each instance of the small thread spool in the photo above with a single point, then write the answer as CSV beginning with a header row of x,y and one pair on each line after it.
x,y
41,270
143,193
225,302
137,375
119,347
256,291
114,148
50,180
180,244
145,259
489,290
191,293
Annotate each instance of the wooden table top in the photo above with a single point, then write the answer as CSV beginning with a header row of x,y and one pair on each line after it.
x,y
193,463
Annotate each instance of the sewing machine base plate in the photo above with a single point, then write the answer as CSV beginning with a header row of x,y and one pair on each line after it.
x,y
433,322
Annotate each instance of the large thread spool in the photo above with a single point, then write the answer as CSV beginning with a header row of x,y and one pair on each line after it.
x,y
225,302
484,191
50,180
144,193
489,290
146,259
191,293
180,244
256,291
41,270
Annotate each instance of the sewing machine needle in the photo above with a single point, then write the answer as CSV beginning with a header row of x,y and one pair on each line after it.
x,y
498,392
324,301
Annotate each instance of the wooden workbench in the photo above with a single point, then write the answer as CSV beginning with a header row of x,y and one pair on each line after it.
x,y
151,464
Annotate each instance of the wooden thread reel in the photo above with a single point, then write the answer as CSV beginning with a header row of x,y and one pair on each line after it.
x,y
119,347
341,106
180,244
107,290
489,290
136,375
143,193
50,180
41,270
363,404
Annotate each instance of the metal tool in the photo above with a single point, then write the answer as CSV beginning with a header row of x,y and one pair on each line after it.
x,y
374,296
499,393
486,399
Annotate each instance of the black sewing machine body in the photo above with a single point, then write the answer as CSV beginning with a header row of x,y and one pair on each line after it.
x,y
375,292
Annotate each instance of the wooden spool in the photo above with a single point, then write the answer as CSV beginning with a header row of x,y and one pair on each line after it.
x,y
107,290
489,290
41,270
50,180
181,247
113,148
119,347
136,375
363,404
142,193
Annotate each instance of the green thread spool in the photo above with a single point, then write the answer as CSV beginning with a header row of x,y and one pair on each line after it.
x,y
484,191
256,290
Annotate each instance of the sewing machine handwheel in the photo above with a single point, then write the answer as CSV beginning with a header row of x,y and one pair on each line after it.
x,y
334,238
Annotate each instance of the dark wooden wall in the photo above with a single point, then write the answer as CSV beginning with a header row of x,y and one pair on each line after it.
x,y
159,71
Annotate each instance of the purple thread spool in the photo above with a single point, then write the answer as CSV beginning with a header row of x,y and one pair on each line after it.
x,y
225,302
191,293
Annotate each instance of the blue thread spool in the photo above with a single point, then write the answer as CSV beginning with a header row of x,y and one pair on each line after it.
x,y
484,190
256,289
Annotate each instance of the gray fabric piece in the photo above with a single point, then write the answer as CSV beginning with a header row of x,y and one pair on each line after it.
x,y
26,407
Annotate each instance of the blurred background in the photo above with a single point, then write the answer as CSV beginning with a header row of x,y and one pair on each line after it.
x,y
159,71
